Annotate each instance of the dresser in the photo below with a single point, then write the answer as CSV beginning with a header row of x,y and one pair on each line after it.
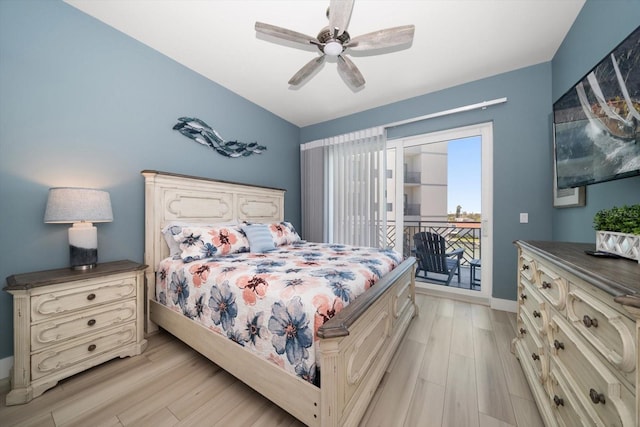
x,y
66,321
577,338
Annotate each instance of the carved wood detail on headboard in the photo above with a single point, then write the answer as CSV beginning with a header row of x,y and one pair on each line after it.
x,y
251,208
181,206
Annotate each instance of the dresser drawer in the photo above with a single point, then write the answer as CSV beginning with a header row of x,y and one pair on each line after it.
x,y
527,267
566,408
57,358
610,332
84,322
607,401
46,305
532,349
552,286
533,306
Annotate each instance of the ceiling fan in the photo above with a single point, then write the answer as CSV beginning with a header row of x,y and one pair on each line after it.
x,y
334,40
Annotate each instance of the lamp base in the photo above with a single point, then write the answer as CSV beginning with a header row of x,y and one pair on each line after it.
x,y
83,246
83,258
83,267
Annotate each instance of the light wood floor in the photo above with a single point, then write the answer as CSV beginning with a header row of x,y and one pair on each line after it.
x,y
454,369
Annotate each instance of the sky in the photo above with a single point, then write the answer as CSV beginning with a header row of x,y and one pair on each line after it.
x,y
464,174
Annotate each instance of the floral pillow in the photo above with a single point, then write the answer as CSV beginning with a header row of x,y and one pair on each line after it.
x,y
175,227
283,233
205,242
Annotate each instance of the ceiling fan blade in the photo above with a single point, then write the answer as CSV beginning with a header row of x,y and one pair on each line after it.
x,y
383,38
350,72
283,33
306,71
339,14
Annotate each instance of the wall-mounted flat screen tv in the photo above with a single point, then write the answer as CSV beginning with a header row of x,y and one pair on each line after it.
x,y
597,122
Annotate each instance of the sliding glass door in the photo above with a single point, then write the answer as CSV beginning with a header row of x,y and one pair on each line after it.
x,y
441,183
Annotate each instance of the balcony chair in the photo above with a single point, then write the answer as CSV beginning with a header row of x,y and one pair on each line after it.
x,y
432,257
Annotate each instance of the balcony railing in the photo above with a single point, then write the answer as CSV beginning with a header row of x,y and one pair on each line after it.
x,y
412,177
466,235
412,209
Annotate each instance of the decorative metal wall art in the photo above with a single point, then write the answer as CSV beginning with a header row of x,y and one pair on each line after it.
x,y
202,133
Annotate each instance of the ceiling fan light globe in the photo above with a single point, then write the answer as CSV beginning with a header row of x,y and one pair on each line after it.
x,y
332,48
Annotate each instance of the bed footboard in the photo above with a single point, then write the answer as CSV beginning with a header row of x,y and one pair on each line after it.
x,y
357,345
356,348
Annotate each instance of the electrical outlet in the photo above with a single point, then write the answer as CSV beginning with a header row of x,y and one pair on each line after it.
x,y
524,218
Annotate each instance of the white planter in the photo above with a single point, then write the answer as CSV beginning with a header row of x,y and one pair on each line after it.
x,y
625,245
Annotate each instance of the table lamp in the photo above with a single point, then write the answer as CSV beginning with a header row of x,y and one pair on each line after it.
x,y
80,207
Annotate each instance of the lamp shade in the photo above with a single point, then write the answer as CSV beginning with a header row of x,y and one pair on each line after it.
x,y
69,205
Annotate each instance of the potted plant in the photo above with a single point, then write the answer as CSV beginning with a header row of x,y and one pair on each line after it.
x,y
618,231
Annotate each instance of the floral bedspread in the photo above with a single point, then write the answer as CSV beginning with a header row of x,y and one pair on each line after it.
x,y
273,303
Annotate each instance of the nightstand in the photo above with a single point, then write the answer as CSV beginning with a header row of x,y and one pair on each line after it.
x,y
66,321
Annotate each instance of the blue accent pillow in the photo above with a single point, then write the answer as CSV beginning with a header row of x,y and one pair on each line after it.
x,y
259,236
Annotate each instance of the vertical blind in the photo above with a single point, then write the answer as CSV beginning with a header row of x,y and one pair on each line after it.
x,y
312,186
353,179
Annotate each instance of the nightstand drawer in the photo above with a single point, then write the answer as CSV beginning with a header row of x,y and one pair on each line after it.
x,y
57,358
46,305
63,328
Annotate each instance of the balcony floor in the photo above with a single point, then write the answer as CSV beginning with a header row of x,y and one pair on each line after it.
x,y
465,279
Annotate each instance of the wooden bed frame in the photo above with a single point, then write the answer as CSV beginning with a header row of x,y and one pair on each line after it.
x,y
356,346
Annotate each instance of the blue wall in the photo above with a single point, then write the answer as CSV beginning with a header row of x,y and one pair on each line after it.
x,y
599,28
522,176
81,104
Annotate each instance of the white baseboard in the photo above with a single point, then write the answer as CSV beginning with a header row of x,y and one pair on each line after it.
x,y
5,370
451,293
504,305
494,303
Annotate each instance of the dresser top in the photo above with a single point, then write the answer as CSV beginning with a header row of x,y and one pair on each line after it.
x,y
619,277
62,275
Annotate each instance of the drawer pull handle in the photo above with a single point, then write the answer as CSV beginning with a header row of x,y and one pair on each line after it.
x,y
523,296
546,285
91,347
525,267
589,322
535,356
536,313
523,331
91,297
558,345
596,397
91,322
558,400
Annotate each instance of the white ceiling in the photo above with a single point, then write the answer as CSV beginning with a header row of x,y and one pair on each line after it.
x,y
455,42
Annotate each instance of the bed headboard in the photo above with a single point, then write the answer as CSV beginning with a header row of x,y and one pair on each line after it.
x,y
174,197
